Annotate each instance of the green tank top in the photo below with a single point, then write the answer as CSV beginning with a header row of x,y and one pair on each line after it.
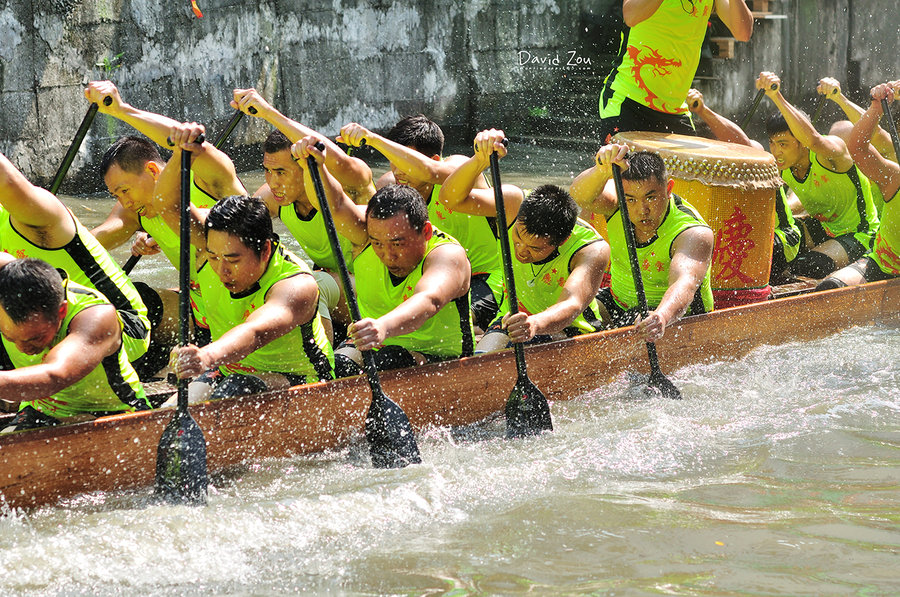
x,y
655,258
304,350
842,201
886,252
86,262
447,334
786,228
310,233
112,386
476,234
658,59
539,285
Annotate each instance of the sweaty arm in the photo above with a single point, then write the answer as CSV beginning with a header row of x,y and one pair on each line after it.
x,y
155,126
445,276
119,226
289,303
353,174
459,193
93,334
884,172
586,273
737,17
692,252
593,190
46,220
830,149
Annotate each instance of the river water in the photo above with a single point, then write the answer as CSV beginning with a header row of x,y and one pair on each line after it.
x,y
778,474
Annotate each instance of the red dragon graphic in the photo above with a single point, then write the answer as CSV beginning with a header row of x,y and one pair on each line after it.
x,y
660,65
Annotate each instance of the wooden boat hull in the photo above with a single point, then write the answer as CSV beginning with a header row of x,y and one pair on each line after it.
x,y
111,453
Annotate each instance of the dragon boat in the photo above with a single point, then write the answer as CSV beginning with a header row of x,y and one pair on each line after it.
x,y
41,467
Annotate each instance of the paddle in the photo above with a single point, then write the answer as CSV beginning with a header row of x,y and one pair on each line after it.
x,y
758,98
527,411
820,103
392,443
76,144
657,380
220,140
892,128
181,474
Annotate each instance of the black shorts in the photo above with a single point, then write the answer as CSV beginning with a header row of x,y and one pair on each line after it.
x,y
817,233
241,384
869,270
638,117
619,317
484,303
386,358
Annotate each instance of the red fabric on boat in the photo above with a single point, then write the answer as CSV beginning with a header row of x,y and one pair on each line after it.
x,y
743,296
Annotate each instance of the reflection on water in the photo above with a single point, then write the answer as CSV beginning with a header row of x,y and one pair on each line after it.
x,y
777,474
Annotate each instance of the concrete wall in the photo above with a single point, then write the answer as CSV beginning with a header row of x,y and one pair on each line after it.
x,y
373,61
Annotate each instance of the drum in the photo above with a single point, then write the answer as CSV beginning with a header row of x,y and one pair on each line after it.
x,y
733,187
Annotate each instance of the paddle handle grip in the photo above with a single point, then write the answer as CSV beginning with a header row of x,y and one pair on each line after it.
x,y
201,138
351,150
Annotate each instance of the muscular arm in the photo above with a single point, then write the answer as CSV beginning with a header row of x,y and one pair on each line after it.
x,y
354,174
722,128
636,11
445,276
289,303
45,219
831,150
167,202
737,17
692,251
459,193
94,334
155,126
593,189
119,226
586,274
884,172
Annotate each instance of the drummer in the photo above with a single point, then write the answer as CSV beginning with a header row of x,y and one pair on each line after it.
x,y
786,241
820,170
673,241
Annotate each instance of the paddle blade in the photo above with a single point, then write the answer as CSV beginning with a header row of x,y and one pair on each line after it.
x,y
392,443
527,411
658,382
181,476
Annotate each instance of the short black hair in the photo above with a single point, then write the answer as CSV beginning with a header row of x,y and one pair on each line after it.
x,y
549,211
131,154
776,124
644,165
275,142
420,133
394,199
29,286
244,217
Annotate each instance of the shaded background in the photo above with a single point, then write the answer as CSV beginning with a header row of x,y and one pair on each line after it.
x,y
533,68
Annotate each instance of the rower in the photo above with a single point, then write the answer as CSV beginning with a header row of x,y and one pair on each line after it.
x,y
821,172
130,169
674,243
412,280
287,197
883,261
261,299
787,237
559,259
35,223
61,349
414,147
830,89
